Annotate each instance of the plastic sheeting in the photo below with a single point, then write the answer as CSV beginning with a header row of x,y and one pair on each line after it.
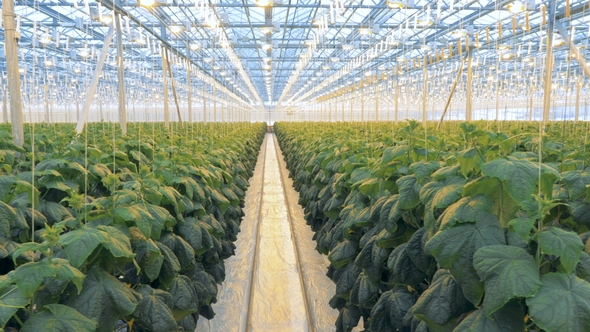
x,y
276,281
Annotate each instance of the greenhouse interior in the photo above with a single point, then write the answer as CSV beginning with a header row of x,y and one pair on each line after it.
x,y
295,165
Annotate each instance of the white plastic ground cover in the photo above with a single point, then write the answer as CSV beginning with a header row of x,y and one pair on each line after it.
x,y
318,286
277,283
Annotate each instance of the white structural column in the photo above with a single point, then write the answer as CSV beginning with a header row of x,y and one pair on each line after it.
x,y
189,93
469,86
165,84
10,47
548,63
121,75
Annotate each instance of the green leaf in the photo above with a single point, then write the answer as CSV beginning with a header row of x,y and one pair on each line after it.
x,y
116,242
442,193
442,303
521,176
65,271
7,215
409,192
170,266
54,212
370,187
576,182
348,318
162,220
147,253
561,304
509,318
439,195
343,252
136,213
104,299
467,209
100,170
423,169
220,200
6,182
454,248
504,206
185,297
154,311
80,243
29,276
196,233
27,247
59,318
522,226
388,313
10,301
468,160
404,270
507,272
365,292
566,245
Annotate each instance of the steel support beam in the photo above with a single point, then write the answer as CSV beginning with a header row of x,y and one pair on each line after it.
x,y
94,83
459,72
580,57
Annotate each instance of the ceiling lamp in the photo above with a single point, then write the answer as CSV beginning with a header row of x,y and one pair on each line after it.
x,y
266,46
334,59
264,3
516,7
77,70
84,52
267,29
106,19
459,33
147,3
506,56
176,28
395,4
48,63
195,46
326,67
222,73
425,20
425,47
368,73
365,31
266,59
45,39
267,67
558,41
208,60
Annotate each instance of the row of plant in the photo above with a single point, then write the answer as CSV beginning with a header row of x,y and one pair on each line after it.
x,y
464,229
103,231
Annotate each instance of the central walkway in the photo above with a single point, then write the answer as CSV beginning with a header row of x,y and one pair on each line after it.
x,y
277,300
276,281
